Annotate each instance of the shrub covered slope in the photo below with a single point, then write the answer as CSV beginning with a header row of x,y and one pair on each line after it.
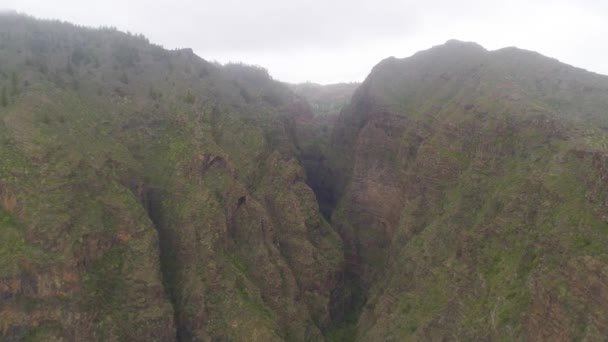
x,y
149,195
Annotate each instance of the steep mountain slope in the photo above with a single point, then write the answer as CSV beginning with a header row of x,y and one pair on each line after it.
x,y
150,195
474,198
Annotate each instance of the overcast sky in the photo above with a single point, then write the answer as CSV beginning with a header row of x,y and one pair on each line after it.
x,y
339,41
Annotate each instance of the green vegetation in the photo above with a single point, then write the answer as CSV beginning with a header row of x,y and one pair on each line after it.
x,y
148,194
14,84
104,282
4,98
139,183
497,199
14,248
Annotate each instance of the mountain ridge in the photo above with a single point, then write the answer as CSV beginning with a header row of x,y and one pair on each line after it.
x,y
112,147
148,194
426,145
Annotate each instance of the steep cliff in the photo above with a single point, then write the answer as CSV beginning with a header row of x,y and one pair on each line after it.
x,y
150,195
474,201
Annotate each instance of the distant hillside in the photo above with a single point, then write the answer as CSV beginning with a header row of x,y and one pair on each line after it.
x,y
325,99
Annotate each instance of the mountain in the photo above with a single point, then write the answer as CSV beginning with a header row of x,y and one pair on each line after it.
x,y
149,195
475,197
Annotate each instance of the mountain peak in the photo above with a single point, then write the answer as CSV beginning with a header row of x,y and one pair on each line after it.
x,y
460,44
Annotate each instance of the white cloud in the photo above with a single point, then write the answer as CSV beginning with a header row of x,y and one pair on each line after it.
x,y
341,40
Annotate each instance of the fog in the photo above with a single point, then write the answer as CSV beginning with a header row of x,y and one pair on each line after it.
x,y
340,41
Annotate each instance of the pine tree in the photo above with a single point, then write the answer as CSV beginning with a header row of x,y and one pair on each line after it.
x,y
14,84
4,99
189,98
68,68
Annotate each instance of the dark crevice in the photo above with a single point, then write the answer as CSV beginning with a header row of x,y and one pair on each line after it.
x,y
346,302
319,177
349,295
153,206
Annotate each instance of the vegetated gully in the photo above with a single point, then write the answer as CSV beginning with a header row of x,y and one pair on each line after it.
x,y
346,299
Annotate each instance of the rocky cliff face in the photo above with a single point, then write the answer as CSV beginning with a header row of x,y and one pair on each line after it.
x,y
475,196
150,195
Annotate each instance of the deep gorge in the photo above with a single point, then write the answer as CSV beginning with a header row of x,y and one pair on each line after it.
x,y
150,195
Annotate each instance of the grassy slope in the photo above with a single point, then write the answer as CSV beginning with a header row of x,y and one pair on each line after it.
x,y
476,206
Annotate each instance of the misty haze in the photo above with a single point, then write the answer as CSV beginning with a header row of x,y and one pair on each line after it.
x,y
303,170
